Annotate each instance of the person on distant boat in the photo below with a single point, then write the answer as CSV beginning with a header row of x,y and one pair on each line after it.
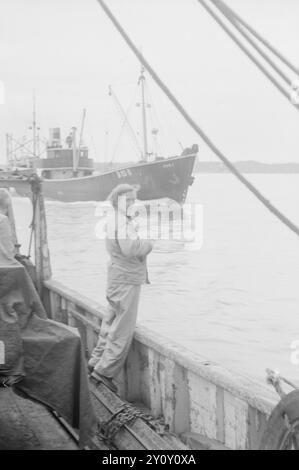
x,y
127,271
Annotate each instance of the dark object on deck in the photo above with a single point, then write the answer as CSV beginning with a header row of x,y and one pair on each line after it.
x,y
11,356
282,431
28,425
28,265
54,371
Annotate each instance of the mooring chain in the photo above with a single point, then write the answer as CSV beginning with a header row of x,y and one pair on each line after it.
x,y
126,413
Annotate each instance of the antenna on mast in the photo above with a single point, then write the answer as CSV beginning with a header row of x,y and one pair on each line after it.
x,y
8,149
34,127
74,149
81,133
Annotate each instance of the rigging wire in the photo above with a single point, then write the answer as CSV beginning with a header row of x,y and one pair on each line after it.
x,y
285,93
286,221
258,36
24,146
20,146
152,118
159,122
125,123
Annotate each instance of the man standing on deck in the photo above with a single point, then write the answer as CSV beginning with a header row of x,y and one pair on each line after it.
x,y
127,270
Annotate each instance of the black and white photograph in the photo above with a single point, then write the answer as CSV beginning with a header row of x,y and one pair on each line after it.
x,y
149,228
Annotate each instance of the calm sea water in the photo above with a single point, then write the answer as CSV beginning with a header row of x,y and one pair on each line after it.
x,y
234,301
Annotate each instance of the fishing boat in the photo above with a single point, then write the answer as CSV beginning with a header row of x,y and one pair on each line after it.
x,y
68,173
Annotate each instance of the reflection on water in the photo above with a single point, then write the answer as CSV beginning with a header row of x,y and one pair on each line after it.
x,y
234,301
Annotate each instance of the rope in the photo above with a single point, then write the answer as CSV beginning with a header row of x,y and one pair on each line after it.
x,y
125,122
195,126
23,145
246,51
173,135
259,37
232,20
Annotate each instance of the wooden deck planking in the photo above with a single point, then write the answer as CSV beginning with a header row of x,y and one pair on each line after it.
x,y
138,430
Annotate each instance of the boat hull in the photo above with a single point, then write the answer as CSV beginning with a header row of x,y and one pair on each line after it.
x,y
167,178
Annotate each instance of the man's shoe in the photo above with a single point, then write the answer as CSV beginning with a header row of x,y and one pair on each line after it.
x,y
105,380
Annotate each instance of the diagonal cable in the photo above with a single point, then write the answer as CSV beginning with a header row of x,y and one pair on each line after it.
x,y
283,91
258,36
233,21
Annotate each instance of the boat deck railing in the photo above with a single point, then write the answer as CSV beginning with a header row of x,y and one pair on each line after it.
x,y
197,398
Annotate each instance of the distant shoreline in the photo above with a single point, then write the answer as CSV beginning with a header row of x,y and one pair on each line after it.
x,y
248,167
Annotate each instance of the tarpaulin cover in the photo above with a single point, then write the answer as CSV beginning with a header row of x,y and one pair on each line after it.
x,y
44,358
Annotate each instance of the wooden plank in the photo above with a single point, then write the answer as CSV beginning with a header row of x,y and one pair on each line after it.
x,y
71,320
71,295
197,441
63,310
123,440
132,374
41,250
175,443
173,440
55,306
220,414
94,443
235,422
139,428
257,423
91,340
79,316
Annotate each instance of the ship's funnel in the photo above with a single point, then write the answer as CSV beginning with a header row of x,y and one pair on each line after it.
x,y
54,137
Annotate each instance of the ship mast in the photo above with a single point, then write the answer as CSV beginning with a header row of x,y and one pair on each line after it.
x,y
35,138
81,135
8,149
34,125
144,123
75,150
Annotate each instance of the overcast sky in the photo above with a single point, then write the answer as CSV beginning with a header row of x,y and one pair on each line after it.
x,y
69,51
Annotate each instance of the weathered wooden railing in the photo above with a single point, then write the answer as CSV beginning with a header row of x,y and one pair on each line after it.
x,y
195,396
